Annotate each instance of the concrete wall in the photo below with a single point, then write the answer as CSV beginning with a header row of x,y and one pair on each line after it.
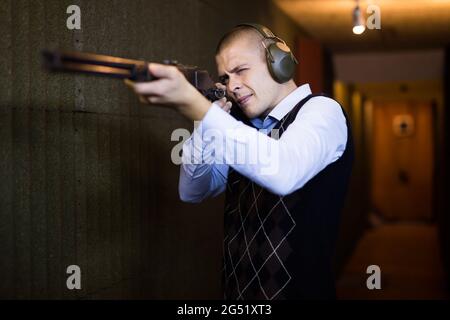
x,y
86,174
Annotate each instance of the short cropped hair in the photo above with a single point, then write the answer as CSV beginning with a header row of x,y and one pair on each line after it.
x,y
240,32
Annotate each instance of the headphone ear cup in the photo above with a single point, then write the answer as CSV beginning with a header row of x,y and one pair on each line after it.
x,y
282,67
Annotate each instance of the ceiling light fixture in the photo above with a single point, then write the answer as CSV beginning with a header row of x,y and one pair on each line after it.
x,y
358,20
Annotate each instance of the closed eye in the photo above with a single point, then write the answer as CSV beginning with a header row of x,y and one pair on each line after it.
x,y
225,78
239,71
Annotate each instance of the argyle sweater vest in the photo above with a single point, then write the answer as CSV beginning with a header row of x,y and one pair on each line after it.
x,y
281,247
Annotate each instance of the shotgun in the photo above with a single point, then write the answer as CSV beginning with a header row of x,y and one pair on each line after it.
x,y
121,68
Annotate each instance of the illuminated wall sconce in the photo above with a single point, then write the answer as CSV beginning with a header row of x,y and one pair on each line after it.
x,y
403,125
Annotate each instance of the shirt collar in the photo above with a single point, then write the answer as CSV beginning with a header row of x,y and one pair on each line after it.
x,y
289,102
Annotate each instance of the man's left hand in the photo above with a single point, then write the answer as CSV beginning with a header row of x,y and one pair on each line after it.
x,y
173,90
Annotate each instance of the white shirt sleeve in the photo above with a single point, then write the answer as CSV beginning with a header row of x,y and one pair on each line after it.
x,y
316,138
200,177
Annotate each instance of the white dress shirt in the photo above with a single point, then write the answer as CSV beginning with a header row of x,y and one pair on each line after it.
x,y
316,138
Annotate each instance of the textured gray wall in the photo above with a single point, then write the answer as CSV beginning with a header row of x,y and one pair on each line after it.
x,y
86,175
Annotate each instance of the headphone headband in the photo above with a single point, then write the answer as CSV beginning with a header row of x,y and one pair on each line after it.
x,y
264,31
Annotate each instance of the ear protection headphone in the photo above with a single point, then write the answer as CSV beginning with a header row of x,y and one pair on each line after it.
x,y
280,60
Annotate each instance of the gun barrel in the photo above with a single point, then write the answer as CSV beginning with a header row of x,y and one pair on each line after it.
x,y
90,58
96,64
115,67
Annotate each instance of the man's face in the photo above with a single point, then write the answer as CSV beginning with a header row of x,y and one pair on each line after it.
x,y
244,72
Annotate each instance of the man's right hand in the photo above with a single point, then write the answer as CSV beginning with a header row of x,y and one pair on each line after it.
x,y
223,103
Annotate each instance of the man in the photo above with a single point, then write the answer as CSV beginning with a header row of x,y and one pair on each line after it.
x,y
281,214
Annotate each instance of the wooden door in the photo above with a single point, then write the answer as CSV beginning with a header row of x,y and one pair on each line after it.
x,y
402,160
